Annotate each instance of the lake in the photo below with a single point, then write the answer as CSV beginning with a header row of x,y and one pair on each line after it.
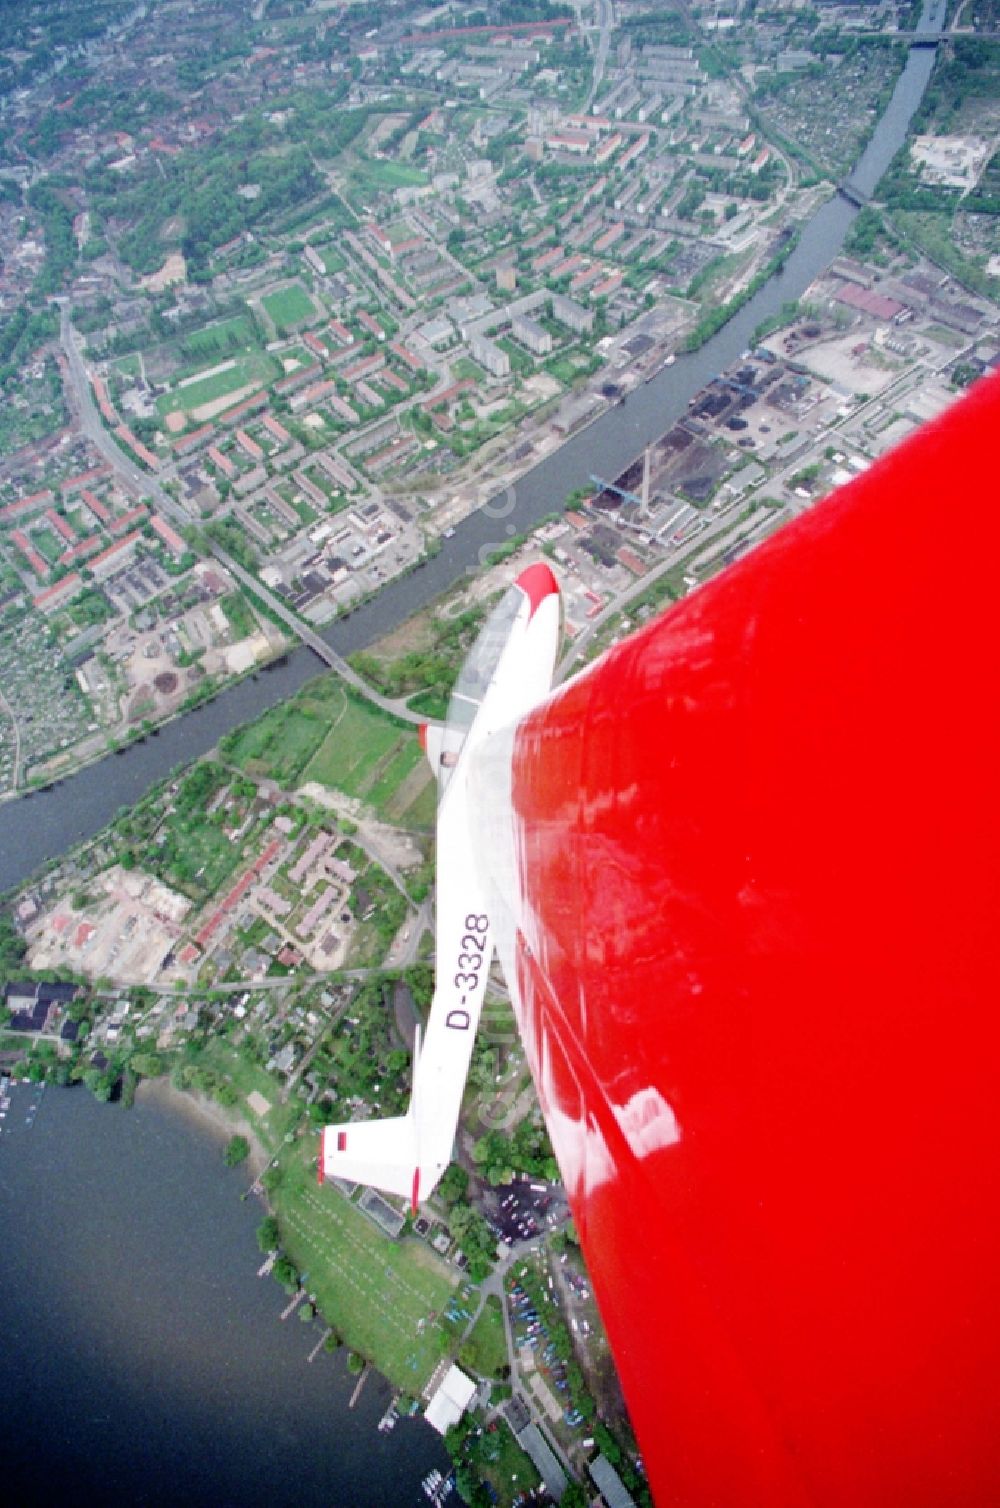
x,y
141,1358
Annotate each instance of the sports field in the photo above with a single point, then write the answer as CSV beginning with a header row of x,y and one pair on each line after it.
x,y
220,338
389,175
250,369
289,307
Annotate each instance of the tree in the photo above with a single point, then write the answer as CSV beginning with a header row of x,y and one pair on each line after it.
x,y
147,1064
355,1363
467,1482
454,1184
268,1234
285,1273
237,1151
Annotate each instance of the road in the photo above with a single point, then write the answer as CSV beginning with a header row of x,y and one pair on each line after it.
x,y
605,24
494,1286
396,706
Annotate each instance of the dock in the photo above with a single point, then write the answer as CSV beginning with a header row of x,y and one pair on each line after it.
x,y
319,1344
360,1384
296,1301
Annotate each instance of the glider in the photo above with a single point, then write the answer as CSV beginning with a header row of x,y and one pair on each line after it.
x,y
743,877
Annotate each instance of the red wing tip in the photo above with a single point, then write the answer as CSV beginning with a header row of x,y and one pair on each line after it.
x,y
537,582
415,1191
319,1162
422,735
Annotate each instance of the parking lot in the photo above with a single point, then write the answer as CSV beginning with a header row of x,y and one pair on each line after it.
x,y
522,1210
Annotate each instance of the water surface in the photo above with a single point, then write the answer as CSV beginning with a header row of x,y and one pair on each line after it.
x,y
141,1358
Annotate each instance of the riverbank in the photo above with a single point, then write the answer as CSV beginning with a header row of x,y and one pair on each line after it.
x,y
199,1110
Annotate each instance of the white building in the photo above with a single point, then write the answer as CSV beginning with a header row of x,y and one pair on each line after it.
x,y
450,1401
489,356
532,335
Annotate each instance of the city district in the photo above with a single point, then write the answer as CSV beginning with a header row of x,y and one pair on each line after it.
x,y
288,290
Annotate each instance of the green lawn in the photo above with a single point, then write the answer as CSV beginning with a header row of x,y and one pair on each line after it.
x,y
562,368
127,366
279,744
360,739
383,1297
485,1351
466,367
332,260
48,543
246,1077
328,736
422,811
224,336
289,306
297,353
394,771
332,737
389,175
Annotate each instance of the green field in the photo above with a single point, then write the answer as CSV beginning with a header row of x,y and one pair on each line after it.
x,y
422,811
364,754
127,366
383,1297
485,1351
395,770
278,744
254,368
218,339
332,260
330,736
48,544
289,307
388,175
246,1077
466,367
296,353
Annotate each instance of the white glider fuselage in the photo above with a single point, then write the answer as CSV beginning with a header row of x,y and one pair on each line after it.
x,y
507,673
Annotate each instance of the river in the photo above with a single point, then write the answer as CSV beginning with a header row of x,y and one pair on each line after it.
x,y
45,825
141,1358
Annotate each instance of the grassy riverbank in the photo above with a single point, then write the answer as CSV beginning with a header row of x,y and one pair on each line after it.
x,y
386,1299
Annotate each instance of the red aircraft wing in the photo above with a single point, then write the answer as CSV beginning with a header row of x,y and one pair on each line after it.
x,y
755,939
